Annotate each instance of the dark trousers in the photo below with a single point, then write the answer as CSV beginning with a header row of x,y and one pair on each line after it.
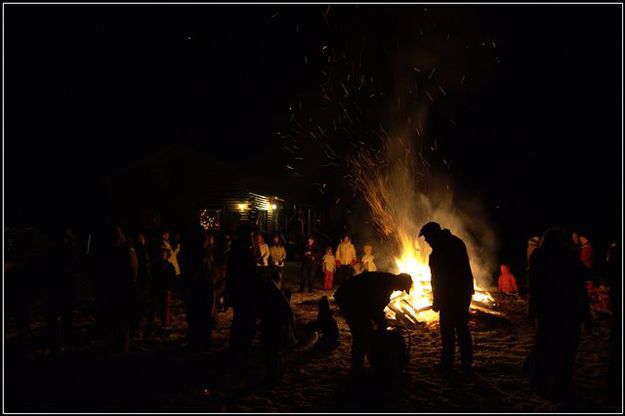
x,y
556,345
309,272
200,313
242,332
343,273
454,323
362,330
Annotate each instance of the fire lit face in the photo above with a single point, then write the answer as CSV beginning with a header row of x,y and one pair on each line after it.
x,y
346,239
368,250
276,240
165,235
259,239
504,269
575,238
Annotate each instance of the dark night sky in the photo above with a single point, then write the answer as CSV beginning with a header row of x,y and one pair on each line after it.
x,y
92,88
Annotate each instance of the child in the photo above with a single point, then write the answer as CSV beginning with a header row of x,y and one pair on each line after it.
x,y
367,260
507,282
329,267
278,256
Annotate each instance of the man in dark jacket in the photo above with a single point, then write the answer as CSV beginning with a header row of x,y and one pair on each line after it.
x,y
452,288
362,300
310,264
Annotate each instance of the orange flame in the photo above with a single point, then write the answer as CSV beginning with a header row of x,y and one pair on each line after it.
x,y
416,305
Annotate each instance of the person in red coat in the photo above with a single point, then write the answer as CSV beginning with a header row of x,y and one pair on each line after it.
x,y
507,281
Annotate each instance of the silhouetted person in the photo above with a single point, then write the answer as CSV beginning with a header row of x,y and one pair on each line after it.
x,y
311,261
200,290
558,302
614,274
532,244
62,293
164,275
144,277
276,326
362,301
241,289
123,267
452,289
327,327
577,244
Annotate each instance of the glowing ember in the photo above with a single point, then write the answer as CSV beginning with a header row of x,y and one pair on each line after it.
x,y
416,306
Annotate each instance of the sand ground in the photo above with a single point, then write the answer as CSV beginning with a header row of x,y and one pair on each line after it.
x,y
161,374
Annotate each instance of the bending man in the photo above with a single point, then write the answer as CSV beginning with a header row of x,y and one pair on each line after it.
x,y
362,301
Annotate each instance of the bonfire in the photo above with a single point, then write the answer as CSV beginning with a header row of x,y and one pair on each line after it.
x,y
386,179
416,306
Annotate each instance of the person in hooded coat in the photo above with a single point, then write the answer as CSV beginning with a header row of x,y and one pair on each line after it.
x,y
507,282
327,327
241,294
200,290
276,326
558,303
122,273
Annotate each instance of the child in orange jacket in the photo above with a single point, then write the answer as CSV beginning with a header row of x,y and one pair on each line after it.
x,y
507,282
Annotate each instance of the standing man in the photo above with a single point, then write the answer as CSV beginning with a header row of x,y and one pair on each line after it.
x,y
310,264
452,287
242,282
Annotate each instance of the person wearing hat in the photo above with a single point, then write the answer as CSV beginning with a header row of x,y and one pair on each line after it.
x,y
362,301
452,289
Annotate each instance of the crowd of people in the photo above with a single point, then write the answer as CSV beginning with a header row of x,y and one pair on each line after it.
x,y
138,274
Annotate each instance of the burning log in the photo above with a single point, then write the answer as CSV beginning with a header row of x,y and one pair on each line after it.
x,y
402,317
